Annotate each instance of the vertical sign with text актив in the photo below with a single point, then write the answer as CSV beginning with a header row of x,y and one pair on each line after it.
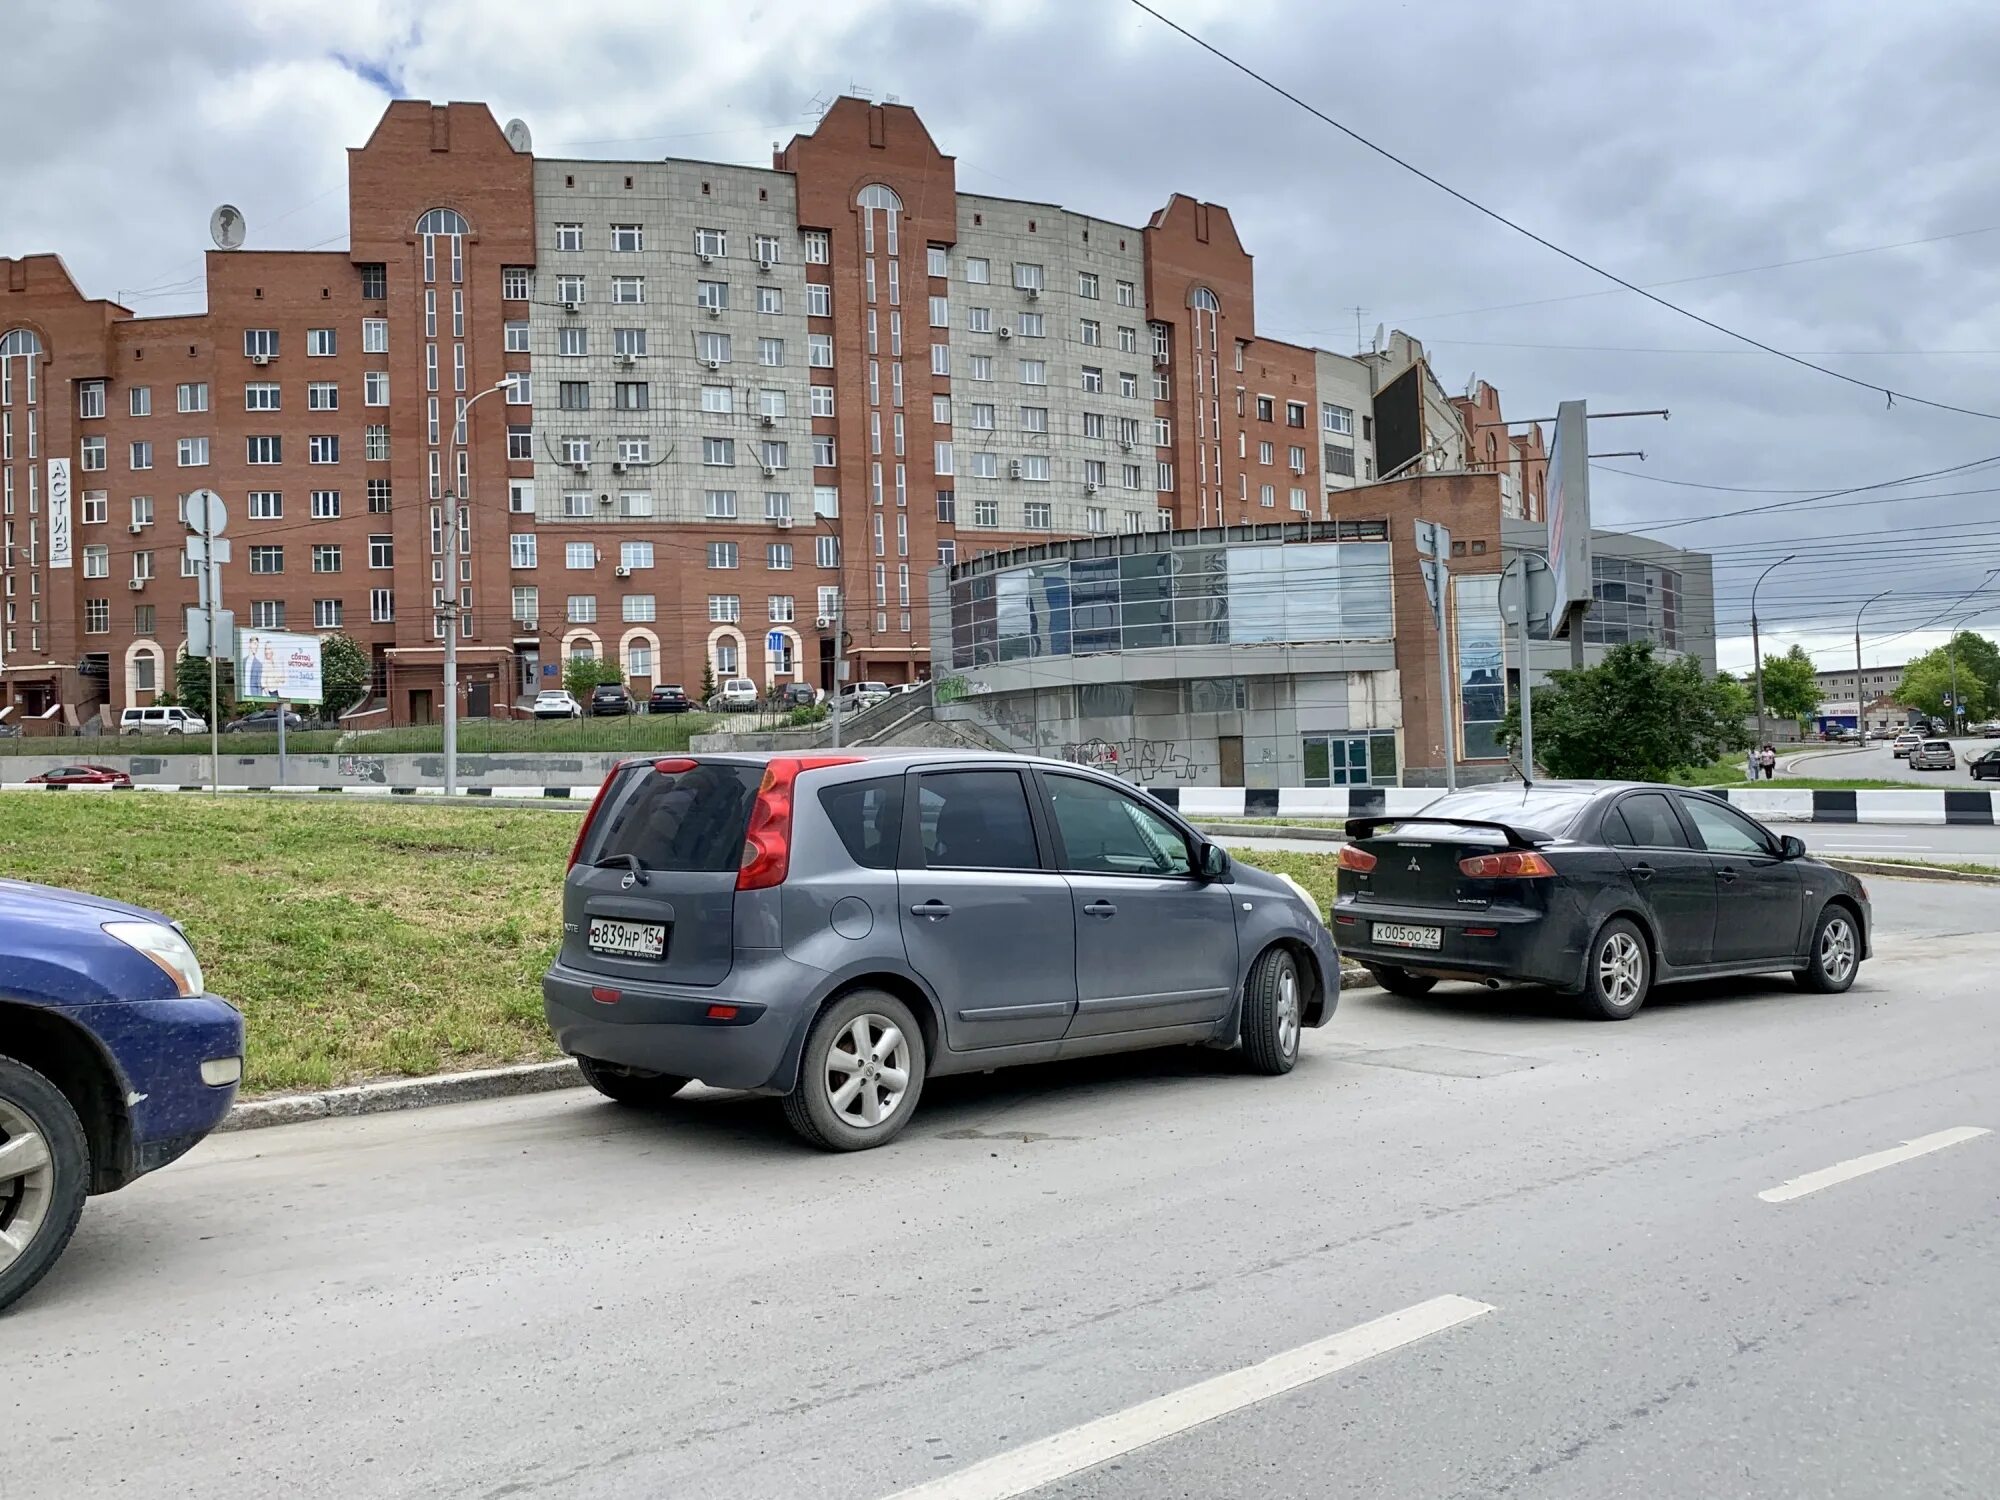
x,y
1568,504
61,518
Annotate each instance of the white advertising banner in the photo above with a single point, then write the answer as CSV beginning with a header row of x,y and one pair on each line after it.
x,y
61,518
278,667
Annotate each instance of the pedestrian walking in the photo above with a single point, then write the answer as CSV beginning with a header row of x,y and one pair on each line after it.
x,y
1767,761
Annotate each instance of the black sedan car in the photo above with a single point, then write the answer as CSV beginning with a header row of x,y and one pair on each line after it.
x,y
668,698
609,699
1985,767
265,721
1597,889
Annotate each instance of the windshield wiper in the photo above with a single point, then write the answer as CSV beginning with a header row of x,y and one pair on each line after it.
x,y
629,861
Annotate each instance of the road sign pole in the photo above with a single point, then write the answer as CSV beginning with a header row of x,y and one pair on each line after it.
x,y
1527,686
283,778
214,671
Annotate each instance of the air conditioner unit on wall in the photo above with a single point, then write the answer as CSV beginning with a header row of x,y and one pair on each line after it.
x,y
704,257
260,359
713,364
619,468
581,468
767,420
1005,332
136,527
783,523
1034,294
1013,468
1090,489
714,311
824,622
135,583
621,572
570,307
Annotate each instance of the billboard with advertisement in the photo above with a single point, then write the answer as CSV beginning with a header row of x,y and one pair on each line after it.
x,y
277,667
1568,505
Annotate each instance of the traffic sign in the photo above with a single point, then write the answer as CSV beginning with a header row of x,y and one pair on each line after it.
x,y
775,642
205,513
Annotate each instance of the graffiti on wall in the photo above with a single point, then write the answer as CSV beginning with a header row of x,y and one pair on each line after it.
x,y
948,690
363,768
1139,761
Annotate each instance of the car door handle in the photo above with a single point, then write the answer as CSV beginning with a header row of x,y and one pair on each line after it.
x,y
1642,872
930,909
1101,909
1726,876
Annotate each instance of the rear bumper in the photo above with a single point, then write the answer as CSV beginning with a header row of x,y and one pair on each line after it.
x,y
666,1028
1530,946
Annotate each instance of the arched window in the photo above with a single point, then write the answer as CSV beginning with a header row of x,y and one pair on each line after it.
x,y
446,224
1202,298
871,200
21,344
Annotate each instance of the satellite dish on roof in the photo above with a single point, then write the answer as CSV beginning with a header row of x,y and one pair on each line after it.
x,y
518,136
1378,337
226,227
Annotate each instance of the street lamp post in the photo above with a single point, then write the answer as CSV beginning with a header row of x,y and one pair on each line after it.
x,y
449,613
839,622
1757,649
1860,706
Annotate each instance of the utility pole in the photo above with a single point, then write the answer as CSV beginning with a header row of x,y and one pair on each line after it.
x,y
1525,561
1434,550
1757,650
449,613
1860,706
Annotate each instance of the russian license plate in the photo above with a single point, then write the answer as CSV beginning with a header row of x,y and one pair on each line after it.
x,y
1398,936
627,939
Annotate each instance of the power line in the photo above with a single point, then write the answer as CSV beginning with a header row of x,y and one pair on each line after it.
x,y
1859,489
1631,286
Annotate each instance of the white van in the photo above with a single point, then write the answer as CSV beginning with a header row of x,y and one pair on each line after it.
x,y
162,720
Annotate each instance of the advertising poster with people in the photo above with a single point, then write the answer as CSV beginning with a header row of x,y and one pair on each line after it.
x,y
278,668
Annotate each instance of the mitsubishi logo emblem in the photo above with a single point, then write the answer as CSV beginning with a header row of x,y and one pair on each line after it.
x,y
1414,865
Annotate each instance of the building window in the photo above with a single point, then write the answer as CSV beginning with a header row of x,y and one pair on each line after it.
x,y
261,395
569,236
94,451
267,505
515,283
381,606
713,349
579,556
520,388
639,609
572,395
267,614
97,561
719,505
576,503
570,290
1266,453
90,399
978,270
1296,458
326,558
142,455
819,351
141,400
325,505
1035,372
940,312
725,609
630,343
1027,276
985,512
818,247
826,551
771,353
581,609
635,504
322,395
770,299
323,449
375,442
1035,515
1086,284
632,395
717,452
1035,466
267,559
713,295
381,551
264,450
985,465
1029,325
627,239
142,510
521,549
320,343
635,555
1267,495
96,507
1298,499
1091,331
191,396
722,554
260,343
1093,379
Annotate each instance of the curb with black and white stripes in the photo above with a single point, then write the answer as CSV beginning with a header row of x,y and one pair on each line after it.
x,y
1773,804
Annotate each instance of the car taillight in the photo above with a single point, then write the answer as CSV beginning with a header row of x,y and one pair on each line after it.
x,y
1511,864
767,846
590,817
673,767
1360,861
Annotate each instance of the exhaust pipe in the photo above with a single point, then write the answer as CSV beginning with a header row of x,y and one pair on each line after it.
x,y
1491,984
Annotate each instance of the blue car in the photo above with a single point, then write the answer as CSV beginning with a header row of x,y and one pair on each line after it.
x,y
114,1060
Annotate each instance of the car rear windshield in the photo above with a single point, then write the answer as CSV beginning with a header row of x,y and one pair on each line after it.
x,y
1550,810
1937,744
683,820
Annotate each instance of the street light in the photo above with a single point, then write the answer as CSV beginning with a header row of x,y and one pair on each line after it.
x,y
1860,707
449,612
1757,643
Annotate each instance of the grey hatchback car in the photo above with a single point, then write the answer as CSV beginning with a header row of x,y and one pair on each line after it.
x,y
838,929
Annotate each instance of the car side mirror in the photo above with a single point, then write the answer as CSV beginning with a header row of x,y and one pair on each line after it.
x,y
1791,846
1211,861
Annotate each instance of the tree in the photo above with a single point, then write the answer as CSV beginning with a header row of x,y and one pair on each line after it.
x,y
1633,718
1927,681
585,672
707,681
1791,686
191,687
343,674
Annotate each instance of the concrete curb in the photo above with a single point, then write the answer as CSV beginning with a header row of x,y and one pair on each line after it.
x,y
1220,832
404,1093
1893,870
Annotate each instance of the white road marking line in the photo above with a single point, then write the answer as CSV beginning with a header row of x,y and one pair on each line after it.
x,y
1033,1465
1861,1166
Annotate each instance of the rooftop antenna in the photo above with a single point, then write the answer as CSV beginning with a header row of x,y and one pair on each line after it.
x,y
858,91
226,227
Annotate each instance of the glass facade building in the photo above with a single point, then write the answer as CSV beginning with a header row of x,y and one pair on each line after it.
x,y
1634,601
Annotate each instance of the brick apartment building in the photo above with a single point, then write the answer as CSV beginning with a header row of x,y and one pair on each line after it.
x,y
722,397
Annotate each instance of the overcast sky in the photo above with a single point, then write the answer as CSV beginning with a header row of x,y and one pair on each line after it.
x,y
1663,142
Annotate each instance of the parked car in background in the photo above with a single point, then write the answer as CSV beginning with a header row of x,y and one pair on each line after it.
x,y
1990,730
1904,743
1598,889
114,1060
798,695
837,930
556,703
864,695
265,721
81,776
1883,733
738,695
1933,755
161,719
10,731
668,698
608,700
1985,767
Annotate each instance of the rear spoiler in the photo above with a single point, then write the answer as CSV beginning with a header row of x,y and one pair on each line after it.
x,y
1517,838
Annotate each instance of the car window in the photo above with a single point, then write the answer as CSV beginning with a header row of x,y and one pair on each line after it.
x,y
868,816
1644,820
1547,810
1723,829
1107,832
1937,744
691,820
977,820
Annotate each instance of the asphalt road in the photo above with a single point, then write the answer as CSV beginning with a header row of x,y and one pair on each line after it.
x,y
1875,763
1585,1296
1956,844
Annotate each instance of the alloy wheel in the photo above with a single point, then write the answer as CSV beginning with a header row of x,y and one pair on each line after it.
x,y
1288,1011
1621,969
1837,949
867,1070
27,1182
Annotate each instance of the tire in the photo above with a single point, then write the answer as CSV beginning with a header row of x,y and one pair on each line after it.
x,y
1401,981
851,1051
46,1200
1272,1013
1835,956
175,730
627,1086
1618,972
